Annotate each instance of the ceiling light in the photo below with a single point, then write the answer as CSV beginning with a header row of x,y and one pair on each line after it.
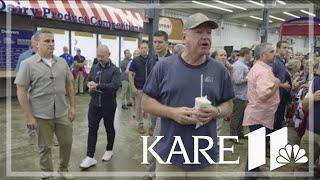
x,y
212,6
256,3
232,5
309,13
281,2
289,14
255,17
277,18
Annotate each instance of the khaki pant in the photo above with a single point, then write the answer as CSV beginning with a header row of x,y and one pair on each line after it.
x,y
78,83
138,97
162,169
62,127
125,93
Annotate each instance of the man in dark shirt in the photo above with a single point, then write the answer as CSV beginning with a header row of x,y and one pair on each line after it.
x,y
279,71
104,81
139,67
79,72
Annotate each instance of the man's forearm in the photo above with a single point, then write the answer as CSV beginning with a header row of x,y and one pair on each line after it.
x,y
225,108
269,95
70,93
152,106
24,102
131,79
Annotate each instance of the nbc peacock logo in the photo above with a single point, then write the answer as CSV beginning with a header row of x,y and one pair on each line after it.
x,y
292,154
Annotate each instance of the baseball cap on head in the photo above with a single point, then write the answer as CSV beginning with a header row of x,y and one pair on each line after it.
x,y
197,19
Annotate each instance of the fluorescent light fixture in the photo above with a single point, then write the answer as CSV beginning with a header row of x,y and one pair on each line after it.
x,y
309,13
281,2
277,18
256,3
258,18
289,14
232,5
212,6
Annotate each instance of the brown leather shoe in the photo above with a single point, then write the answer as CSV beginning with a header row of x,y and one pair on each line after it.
x,y
150,131
141,129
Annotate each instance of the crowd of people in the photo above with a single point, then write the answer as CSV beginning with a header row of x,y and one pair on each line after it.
x,y
255,87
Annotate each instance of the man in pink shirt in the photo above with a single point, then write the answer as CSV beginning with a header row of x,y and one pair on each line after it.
x,y
263,92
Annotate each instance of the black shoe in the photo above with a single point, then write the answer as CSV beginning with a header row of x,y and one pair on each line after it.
x,y
124,107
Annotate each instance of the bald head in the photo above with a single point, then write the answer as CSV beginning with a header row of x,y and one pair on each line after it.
x,y
103,54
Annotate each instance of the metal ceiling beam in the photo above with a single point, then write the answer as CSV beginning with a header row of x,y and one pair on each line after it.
x,y
258,12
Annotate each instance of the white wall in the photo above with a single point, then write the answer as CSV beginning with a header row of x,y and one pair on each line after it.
x,y
239,35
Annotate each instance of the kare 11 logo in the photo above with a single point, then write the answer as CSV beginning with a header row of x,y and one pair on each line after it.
x,y
281,153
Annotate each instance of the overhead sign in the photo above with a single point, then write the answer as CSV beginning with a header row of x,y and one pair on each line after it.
x,y
172,26
78,11
19,41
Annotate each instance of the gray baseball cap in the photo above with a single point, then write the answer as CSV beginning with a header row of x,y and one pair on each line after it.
x,y
195,20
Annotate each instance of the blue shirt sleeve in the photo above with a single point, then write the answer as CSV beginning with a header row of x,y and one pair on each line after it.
x,y
227,88
151,87
133,66
279,70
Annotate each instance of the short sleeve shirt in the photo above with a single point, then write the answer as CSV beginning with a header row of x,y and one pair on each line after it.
x,y
46,86
175,83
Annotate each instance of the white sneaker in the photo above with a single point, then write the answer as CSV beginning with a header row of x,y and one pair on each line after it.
x,y
46,175
107,156
88,162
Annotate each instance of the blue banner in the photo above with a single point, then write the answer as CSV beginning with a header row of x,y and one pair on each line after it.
x,y
19,41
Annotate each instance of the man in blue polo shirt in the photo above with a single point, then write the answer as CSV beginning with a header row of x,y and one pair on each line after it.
x,y
170,92
66,56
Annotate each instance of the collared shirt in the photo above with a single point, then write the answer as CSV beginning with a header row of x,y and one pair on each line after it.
x,y
46,86
24,56
240,71
260,81
68,58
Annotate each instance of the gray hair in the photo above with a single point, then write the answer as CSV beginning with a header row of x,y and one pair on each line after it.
x,y
38,33
178,49
260,49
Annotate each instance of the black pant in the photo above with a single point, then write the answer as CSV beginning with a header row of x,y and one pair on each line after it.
x,y
94,116
253,128
279,116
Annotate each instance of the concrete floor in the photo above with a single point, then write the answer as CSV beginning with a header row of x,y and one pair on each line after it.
x,y
127,148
